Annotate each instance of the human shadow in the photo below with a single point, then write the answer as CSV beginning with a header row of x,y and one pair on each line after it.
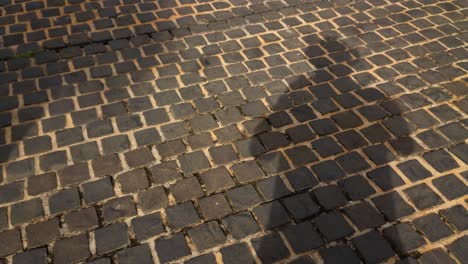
x,y
326,153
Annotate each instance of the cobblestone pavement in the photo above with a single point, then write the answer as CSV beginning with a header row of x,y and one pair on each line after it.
x,y
233,131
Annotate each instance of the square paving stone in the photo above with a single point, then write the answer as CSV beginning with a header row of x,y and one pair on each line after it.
x,y
42,233
243,197
256,126
399,126
280,119
421,118
458,248
12,192
323,126
217,179
175,130
301,206
249,147
24,168
432,139
375,133
31,256
364,216
3,218
109,164
339,254
133,181
432,227
84,152
272,188
156,116
393,206
333,226
440,160
413,170
270,248
301,178
302,237
208,258
152,199
328,170
117,208
203,123
165,172
301,155
273,140
247,171
115,144
193,162
423,196
214,206
136,254
373,247
241,225
200,141
237,253
385,177
207,235
227,134
97,190
457,216
352,162
139,157
64,200
171,148
172,248
351,139
436,256
271,214
10,242
147,137
347,120
356,187
404,238
460,151
182,111
74,174
187,189
71,249
379,154
53,160
182,215
111,237
326,147
300,133
273,162
147,226
229,116
450,186
223,154
81,220
329,197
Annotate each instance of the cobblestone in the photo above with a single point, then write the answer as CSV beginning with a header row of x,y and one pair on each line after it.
x,y
237,131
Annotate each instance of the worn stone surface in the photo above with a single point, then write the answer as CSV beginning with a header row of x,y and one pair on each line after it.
x,y
196,131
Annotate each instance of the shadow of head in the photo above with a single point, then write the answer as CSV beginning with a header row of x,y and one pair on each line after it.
x,y
328,141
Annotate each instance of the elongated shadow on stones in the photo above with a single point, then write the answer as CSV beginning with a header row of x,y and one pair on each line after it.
x,y
327,145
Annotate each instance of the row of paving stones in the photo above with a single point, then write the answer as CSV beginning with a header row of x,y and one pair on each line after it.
x,y
81,22
198,187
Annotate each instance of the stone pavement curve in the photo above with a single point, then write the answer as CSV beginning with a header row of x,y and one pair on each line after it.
x,y
233,131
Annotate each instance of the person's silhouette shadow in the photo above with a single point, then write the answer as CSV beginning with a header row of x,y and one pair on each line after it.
x,y
325,153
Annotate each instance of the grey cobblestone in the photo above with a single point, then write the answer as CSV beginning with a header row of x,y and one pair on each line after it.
x,y
235,131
